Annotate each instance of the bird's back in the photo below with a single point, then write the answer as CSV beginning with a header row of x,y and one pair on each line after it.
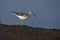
x,y
20,13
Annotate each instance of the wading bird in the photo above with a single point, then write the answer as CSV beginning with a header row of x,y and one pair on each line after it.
x,y
23,15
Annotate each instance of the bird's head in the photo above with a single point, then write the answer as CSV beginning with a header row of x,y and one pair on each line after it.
x,y
31,13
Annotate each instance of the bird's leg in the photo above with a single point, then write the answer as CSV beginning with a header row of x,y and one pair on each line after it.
x,y
21,22
18,21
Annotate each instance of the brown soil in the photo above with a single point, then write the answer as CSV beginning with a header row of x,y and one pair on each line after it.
x,y
23,32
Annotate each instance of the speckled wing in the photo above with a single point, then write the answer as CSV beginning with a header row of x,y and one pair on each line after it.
x,y
19,13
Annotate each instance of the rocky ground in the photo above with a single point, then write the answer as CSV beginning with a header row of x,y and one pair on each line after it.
x,y
23,32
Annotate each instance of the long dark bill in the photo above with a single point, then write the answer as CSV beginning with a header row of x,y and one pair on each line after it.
x,y
34,14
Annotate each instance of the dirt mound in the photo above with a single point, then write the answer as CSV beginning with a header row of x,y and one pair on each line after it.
x,y
23,32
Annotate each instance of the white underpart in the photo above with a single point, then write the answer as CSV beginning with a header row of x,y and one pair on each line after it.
x,y
21,17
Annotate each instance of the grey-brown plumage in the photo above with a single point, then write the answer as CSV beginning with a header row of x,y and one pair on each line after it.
x,y
20,13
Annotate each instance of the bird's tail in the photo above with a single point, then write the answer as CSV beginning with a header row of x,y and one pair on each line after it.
x,y
13,12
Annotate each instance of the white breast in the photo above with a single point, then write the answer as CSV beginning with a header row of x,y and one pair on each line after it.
x,y
22,17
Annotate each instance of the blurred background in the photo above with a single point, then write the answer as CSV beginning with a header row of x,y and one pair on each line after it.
x,y
47,11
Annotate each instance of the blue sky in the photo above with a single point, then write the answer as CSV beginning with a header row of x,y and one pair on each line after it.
x,y
47,11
